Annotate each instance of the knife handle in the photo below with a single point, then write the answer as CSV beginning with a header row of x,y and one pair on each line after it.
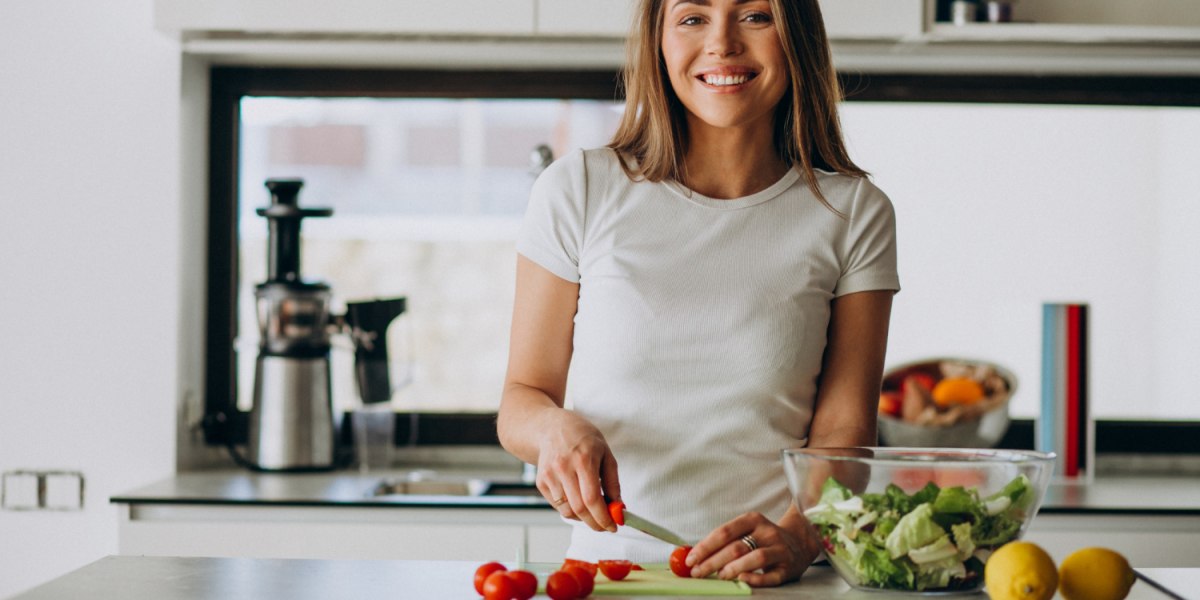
x,y
616,510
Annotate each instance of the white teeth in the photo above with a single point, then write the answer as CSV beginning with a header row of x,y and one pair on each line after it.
x,y
726,80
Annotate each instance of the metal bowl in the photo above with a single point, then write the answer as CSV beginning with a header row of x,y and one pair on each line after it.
x,y
983,432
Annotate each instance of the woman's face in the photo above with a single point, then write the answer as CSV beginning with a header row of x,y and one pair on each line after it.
x,y
724,60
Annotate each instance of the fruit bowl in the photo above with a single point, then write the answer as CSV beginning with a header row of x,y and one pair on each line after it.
x,y
919,520
919,406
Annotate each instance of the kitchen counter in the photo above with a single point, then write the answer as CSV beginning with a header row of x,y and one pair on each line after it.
x,y
171,578
1108,495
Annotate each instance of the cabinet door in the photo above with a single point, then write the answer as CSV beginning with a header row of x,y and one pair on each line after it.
x,y
464,17
874,19
606,18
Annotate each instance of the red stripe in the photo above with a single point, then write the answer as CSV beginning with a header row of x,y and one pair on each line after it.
x,y
1072,466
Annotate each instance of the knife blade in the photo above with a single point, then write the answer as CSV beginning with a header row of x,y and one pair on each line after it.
x,y
654,530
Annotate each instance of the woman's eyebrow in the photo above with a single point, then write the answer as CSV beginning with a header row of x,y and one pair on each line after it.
x,y
706,2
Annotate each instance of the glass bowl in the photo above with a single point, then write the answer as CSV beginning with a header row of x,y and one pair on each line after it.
x,y
919,520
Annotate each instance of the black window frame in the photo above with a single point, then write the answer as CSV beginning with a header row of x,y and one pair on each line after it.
x,y
224,423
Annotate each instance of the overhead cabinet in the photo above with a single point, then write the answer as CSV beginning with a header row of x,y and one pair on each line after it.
x,y
190,19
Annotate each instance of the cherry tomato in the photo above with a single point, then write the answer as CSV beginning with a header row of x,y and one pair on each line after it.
x,y
678,562
481,574
525,584
637,567
616,509
583,564
615,570
561,585
890,403
499,586
586,579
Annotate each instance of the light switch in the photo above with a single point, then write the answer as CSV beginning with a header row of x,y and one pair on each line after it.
x,y
41,490
19,490
63,490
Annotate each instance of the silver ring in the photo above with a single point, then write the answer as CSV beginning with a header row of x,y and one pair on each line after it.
x,y
750,543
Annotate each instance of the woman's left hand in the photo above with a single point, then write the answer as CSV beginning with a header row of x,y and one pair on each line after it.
x,y
755,550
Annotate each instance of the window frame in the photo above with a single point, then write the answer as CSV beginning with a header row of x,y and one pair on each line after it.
x,y
224,423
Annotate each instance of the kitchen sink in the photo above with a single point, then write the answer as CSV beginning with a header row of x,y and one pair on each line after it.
x,y
440,487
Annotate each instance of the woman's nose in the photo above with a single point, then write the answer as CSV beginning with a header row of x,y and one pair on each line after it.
x,y
722,40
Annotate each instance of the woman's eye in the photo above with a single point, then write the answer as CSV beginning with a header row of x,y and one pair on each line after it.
x,y
692,20
758,17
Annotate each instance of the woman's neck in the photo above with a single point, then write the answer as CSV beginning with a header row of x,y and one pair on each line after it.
x,y
727,163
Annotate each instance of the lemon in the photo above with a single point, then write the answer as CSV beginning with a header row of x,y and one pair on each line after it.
x,y
1095,574
1020,571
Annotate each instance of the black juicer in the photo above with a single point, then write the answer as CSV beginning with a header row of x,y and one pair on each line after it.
x,y
291,423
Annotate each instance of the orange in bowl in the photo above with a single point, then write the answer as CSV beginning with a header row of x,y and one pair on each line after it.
x,y
957,390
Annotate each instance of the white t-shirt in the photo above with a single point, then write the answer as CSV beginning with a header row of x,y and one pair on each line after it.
x,y
700,329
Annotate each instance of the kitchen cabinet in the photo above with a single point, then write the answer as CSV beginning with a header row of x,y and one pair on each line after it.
x,y
375,533
187,18
604,18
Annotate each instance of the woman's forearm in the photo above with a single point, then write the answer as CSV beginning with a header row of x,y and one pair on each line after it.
x,y
526,414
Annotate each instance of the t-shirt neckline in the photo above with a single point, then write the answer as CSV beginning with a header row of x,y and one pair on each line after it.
x,y
771,191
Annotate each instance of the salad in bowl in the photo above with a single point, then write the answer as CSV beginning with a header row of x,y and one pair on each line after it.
x,y
912,519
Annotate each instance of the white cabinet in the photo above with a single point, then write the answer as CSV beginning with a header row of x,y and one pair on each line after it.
x,y
874,19
371,533
1145,540
605,18
189,18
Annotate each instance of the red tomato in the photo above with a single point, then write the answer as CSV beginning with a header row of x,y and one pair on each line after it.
x,y
525,584
561,585
678,565
499,586
890,403
586,579
616,509
583,564
615,570
637,567
481,574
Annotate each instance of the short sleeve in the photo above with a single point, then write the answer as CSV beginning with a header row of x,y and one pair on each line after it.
x,y
869,261
551,234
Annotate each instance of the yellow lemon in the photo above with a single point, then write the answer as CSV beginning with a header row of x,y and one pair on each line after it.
x,y
1095,574
1020,571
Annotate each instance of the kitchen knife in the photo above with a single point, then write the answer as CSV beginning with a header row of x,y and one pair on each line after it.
x,y
624,517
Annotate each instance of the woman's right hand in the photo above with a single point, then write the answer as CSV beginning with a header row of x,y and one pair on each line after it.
x,y
577,472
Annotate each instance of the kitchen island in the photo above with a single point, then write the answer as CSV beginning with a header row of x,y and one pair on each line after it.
x,y
173,578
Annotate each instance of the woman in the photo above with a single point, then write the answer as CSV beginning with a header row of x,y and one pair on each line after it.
x,y
718,281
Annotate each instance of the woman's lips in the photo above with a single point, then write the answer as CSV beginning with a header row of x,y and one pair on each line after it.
x,y
726,80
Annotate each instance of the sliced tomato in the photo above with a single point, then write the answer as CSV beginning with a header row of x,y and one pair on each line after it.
x,y
499,586
561,585
637,567
615,570
525,584
586,579
678,562
616,509
481,574
583,564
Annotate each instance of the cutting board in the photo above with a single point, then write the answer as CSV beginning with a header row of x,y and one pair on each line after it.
x,y
655,580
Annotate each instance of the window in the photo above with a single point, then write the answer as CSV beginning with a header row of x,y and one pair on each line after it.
x,y
1011,191
427,195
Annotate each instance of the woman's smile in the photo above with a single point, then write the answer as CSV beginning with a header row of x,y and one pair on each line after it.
x,y
727,80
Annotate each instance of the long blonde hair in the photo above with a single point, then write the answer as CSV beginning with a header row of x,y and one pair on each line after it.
x,y
652,137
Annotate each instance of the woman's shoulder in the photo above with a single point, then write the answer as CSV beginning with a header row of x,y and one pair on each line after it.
x,y
845,191
583,161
